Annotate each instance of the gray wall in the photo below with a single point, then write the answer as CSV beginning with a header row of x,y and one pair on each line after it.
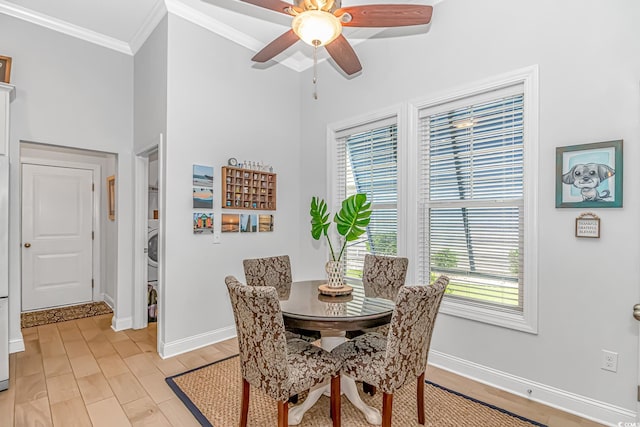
x,y
220,107
150,89
589,74
73,94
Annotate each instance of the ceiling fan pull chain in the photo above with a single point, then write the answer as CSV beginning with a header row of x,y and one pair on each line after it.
x,y
315,69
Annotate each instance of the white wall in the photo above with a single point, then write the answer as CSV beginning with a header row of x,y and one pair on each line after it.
x,y
220,107
73,94
150,89
589,86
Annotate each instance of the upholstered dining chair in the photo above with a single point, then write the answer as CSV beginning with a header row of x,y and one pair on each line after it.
x,y
270,271
390,362
276,271
383,276
278,367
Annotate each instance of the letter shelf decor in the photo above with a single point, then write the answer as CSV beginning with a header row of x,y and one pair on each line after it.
x,y
248,189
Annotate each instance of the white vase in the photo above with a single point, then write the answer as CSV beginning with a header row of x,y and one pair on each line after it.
x,y
334,274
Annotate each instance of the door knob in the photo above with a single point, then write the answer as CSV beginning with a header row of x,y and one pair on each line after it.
x,y
27,245
636,311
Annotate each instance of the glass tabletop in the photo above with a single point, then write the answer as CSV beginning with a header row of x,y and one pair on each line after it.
x,y
304,307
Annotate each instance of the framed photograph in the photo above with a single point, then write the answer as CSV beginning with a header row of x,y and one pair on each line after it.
x,y
588,225
230,223
203,223
589,175
248,223
5,69
202,176
111,197
265,223
202,198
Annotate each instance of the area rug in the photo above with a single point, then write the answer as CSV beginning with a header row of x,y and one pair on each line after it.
x,y
62,314
212,394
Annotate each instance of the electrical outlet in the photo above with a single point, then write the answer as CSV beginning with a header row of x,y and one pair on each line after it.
x,y
609,361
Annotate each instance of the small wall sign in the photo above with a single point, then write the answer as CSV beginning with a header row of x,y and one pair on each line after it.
x,y
588,225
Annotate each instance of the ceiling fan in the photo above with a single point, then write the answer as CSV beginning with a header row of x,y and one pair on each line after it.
x,y
320,22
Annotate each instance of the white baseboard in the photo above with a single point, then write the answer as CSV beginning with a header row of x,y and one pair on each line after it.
x,y
120,324
582,406
108,300
197,341
16,346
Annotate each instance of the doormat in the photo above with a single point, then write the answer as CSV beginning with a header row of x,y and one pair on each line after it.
x,y
212,393
62,314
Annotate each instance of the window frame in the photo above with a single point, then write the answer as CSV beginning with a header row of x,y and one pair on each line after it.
x,y
333,192
527,78
408,200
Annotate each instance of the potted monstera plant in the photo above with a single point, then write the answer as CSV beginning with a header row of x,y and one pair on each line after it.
x,y
351,223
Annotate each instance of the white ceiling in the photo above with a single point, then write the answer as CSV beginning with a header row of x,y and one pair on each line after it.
x,y
124,25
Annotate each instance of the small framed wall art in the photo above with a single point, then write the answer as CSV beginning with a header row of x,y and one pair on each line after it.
x,y
589,175
203,223
5,69
588,225
111,197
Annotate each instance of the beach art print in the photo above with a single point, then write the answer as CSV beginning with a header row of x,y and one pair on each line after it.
x,y
589,175
265,223
230,223
248,223
203,223
202,176
202,198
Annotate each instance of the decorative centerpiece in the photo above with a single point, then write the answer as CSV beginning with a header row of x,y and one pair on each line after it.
x,y
351,222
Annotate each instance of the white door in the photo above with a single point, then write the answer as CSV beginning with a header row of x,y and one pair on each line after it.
x,y
57,218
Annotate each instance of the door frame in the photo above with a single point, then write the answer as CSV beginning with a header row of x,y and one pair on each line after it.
x,y
97,193
141,194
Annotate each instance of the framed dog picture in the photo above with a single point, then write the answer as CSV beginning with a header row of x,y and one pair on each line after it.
x,y
589,175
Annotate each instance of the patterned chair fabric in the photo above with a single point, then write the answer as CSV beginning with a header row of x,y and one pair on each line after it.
x,y
278,367
383,276
267,361
389,362
276,271
271,271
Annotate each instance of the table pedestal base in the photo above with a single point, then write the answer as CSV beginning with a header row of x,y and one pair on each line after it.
x,y
347,387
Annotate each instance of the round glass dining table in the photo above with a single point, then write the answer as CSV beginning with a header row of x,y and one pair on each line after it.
x,y
304,307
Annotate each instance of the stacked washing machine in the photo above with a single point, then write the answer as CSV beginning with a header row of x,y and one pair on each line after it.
x,y
152,270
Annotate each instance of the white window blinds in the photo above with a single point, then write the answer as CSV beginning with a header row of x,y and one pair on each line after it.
x,y
367,162
471,199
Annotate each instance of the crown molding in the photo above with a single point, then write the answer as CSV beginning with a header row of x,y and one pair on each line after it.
x,y
150,23
64,27
176,7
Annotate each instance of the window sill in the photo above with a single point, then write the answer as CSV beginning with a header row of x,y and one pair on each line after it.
x,y
511,320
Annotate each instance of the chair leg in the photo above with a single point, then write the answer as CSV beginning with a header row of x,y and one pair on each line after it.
x,y
420,394
244,408
335,400
283,413
387,406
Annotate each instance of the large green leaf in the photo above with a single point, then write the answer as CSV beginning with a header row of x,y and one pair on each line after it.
x,y
319,218
354,217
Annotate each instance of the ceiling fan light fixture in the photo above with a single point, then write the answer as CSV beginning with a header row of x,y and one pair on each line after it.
x,y
316,27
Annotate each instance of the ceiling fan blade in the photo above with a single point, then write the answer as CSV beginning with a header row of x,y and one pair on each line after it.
x,y
276,46
386,15
344,55
277,5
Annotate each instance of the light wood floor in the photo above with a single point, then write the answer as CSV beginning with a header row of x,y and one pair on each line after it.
x,y
82,373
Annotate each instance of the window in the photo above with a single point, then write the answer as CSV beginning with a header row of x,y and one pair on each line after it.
x,y
366,161
473,205
463,201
